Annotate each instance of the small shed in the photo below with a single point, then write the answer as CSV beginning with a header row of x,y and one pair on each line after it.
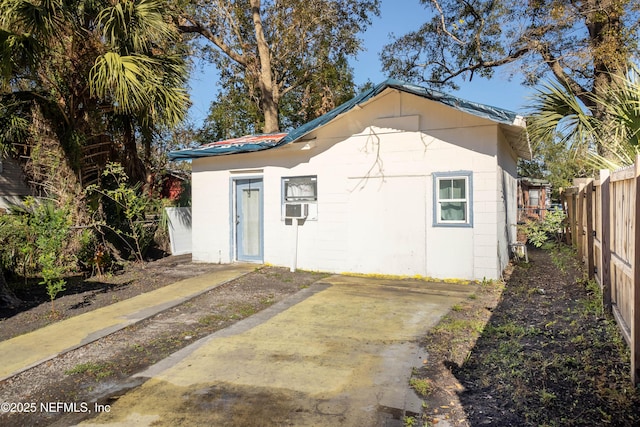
x,y
534,198
401,180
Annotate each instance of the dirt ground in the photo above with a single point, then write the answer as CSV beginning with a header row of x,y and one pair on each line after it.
x,y
535,350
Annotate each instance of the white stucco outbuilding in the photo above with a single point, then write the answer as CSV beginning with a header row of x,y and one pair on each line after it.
x,y
401,180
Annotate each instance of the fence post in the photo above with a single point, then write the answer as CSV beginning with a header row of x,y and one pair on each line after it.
x,y
590,228
605,228
567,224
635,305
579,203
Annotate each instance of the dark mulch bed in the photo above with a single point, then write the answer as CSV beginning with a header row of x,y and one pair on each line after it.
x,y
548,355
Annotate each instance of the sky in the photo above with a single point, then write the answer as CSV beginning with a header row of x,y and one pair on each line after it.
x,y
397,17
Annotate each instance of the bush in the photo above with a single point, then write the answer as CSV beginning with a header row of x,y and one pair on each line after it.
x,y
33,242
121,210
547,230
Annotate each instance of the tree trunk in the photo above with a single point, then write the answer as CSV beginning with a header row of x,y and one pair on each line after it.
x,y
7,297
610,56
267,88
134,166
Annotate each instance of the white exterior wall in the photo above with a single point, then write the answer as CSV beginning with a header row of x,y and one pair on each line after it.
x,y
375,194
507,201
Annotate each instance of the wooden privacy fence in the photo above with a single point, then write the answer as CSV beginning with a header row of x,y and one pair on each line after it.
x,y
603,224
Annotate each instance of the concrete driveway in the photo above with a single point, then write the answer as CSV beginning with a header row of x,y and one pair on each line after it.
x,y
338,353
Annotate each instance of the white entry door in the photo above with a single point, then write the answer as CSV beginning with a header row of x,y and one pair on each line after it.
x,y
249,219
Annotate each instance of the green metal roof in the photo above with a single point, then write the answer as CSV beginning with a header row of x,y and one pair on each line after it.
x,y
498,115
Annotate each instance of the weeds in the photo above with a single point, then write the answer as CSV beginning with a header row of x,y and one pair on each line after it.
x,y
549,354
97,370
212,319
409,421
457,307
422,386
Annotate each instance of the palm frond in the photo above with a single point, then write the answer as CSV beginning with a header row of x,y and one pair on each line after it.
x,y
45,18
130,26
123,79
17,52
560,115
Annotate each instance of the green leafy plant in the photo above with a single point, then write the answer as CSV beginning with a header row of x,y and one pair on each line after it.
x,y
422,386
545,230
409,421
51,225
34,240
122,209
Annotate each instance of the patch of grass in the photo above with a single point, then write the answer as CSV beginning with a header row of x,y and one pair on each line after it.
x,y
546,397
243,310
97,370
556,360
456,325
511,329
422,386
212,319
457,307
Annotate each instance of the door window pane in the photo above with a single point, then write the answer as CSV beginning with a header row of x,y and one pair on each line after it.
x,y
534,197
250,222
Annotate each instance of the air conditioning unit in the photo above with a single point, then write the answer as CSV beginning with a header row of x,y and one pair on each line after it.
x,y
296,210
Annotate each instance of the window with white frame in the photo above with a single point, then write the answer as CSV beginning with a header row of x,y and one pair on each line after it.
x,y
534,197
300,189
452,199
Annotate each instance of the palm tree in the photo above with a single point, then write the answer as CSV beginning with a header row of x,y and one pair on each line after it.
x,y
139,73
609,141
98,70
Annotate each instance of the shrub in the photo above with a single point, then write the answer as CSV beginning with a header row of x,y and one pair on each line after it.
x,y
546,230
33,242
120,211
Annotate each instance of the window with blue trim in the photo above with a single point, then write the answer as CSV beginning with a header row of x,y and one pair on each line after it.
x,y
452,199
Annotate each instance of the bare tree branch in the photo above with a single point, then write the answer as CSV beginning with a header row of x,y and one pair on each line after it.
x,y
188,25
444,25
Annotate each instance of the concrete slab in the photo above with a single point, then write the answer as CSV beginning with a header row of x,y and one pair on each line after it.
x,y
28,350
338,353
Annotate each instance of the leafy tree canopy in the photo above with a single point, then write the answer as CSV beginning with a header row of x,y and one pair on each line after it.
x,y
281,62
96,70
581,42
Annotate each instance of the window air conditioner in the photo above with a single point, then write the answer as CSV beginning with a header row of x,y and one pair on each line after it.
x,y
296,210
